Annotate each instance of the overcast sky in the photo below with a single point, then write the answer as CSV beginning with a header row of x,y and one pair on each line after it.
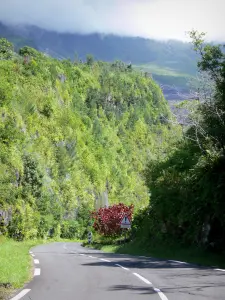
x,y
161,19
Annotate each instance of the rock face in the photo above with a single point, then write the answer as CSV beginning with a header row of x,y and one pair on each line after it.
x,y
5,216
175,93
101,200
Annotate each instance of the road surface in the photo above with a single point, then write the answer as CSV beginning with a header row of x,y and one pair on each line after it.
x,y
67,271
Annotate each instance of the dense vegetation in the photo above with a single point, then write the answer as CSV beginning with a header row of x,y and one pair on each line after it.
x,y
73,135
188,186
107,220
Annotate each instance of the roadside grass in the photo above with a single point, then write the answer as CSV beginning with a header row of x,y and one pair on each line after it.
x,y
16,263
166,251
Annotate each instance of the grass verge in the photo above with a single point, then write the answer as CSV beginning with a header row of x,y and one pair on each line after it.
x,y
173,252
16,264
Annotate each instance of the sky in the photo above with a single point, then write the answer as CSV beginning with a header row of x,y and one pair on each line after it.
x,y
159,19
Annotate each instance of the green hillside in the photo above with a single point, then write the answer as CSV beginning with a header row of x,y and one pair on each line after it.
x,y
70,134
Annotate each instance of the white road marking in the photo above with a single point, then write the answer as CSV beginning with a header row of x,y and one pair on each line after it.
x,y
21,294
37,271
105,260
36,261
30,252
33,255
91,256
142,278
179,262
82,254
219,270
161,295
122,267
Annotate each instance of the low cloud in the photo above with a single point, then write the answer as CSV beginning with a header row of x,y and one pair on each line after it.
x,y
160,19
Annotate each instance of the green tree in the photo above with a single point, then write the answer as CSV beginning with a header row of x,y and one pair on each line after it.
x,y
6,49
90,59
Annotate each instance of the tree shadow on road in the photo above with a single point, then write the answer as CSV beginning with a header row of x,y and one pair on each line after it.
x,y
141,290
144,262
176,277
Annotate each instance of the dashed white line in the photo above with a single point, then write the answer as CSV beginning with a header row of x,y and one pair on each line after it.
x,y
122,267
37,271
82,254
105,260
161,295
178,262
142,278
36,261
21,294
222,270
91,256
32,255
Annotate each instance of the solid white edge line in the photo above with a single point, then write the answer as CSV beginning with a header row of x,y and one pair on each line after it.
x,y
222,270
36,261
21,294
105,260
37,271
161,295
142,278
122,267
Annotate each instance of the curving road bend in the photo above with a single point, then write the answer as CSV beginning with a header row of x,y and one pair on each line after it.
x,y
67,271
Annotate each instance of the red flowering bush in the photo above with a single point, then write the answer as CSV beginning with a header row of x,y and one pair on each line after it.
x,y
107,220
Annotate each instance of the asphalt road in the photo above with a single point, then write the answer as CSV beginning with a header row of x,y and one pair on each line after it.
x,y
67,271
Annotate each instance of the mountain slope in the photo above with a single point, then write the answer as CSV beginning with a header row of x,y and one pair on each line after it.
x,y
71,135
172,54
170,63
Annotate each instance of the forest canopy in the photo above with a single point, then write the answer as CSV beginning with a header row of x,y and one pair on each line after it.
x,y
74,136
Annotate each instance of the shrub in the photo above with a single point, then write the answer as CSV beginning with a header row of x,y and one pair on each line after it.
x,y
107,220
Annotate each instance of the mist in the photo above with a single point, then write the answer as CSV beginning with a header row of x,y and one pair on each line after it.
x,y
158,19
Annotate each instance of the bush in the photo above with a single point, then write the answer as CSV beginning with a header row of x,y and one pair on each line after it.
x,y
24,223
46,223
69,229
107,220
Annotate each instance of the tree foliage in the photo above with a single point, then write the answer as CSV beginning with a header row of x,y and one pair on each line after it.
x,y
70,132
188,186
107,219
